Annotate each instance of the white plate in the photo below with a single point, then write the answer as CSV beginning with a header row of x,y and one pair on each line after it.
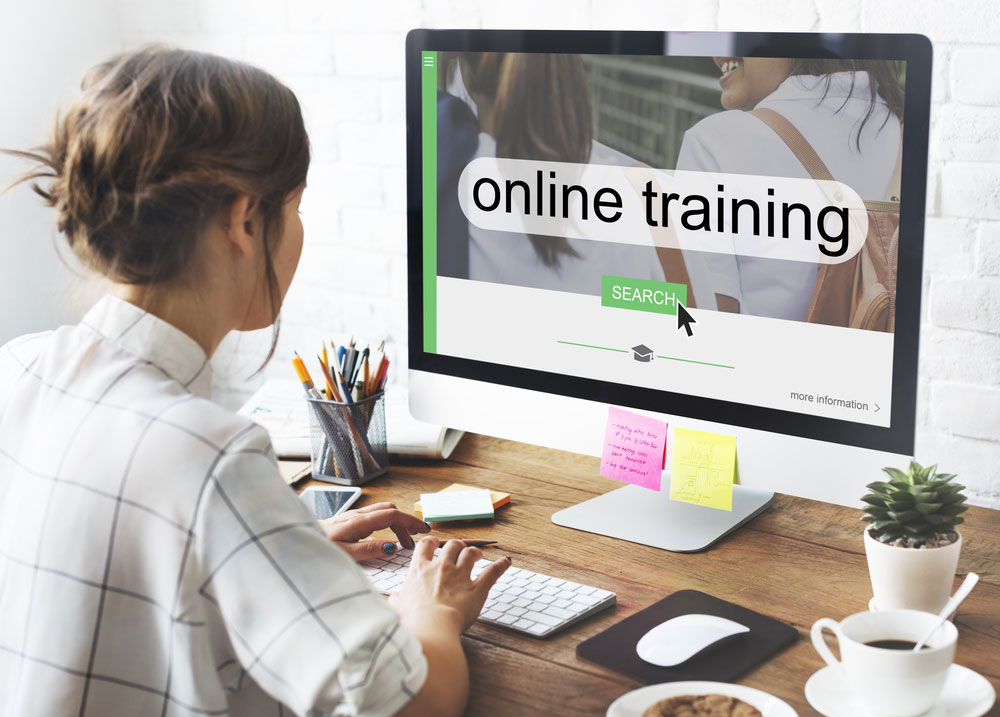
x,y
634,703
965,694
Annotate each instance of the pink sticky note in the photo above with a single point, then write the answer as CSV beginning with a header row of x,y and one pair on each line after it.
x,y
633,448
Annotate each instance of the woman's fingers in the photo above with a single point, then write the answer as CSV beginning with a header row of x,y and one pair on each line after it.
x,y
467,558
374,506
424,552
368,549
491,573
402,524
451,550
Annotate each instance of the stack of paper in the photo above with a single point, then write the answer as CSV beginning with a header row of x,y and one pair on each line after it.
x,y
456,505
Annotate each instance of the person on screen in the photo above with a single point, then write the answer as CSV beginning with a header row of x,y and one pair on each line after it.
x,y
850,112
152,560
538,106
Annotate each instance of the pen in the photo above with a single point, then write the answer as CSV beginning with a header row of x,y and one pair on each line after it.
x,y
349,360
357,365
344,387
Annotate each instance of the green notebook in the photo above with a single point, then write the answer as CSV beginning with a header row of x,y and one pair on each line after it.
x,y
456,505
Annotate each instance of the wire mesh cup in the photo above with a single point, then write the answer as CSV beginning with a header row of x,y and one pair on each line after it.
x,y
348,439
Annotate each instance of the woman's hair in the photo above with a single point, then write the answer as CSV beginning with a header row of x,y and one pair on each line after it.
x,y
542,111
159,142
885,81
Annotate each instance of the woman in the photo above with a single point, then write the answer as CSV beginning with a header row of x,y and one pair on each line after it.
x,y
152,561
538,107
850,112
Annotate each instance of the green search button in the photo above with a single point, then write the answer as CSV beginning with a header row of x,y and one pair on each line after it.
x,y
659,297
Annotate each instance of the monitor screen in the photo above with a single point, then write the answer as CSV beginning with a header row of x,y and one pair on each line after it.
x,y
704,224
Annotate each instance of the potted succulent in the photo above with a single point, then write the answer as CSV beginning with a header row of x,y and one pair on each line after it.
x,y
911,541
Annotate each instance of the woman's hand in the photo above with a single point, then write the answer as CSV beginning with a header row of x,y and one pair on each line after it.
x,y
351,529
440,590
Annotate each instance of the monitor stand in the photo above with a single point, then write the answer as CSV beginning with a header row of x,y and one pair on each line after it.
x,y
640,515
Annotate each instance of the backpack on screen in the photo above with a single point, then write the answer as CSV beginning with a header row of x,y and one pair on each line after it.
x,y
859,293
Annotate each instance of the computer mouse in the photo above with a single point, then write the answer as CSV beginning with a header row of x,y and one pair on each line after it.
x,y
680,638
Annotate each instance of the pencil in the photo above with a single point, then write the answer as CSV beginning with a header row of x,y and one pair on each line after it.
x,y
373,385
472,543
331,389
365,373
303,373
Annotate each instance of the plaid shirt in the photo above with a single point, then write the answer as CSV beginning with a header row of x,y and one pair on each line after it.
x,y
152,561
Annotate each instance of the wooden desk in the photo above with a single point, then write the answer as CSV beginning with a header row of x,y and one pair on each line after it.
x,y
799,561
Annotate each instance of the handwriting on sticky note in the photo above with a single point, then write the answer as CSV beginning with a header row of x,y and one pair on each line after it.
x,y
703,468
633,448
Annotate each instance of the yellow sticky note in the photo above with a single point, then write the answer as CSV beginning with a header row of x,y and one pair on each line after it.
x,y
703,468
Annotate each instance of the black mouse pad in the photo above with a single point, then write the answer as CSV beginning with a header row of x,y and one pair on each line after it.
x,y
615,647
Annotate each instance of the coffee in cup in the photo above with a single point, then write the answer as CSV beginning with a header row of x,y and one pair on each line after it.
x,y
884,677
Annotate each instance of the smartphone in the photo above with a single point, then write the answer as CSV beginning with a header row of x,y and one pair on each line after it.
x,y
328,501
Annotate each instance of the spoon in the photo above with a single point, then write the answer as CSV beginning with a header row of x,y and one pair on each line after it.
x,y
949,607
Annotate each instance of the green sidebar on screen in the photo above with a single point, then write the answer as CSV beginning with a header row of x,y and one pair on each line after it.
x,y
428,123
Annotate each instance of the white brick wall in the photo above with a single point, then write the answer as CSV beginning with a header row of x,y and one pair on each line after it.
x,y
344,58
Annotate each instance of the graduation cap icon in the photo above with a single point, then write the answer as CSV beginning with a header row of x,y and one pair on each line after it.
x,y
642,353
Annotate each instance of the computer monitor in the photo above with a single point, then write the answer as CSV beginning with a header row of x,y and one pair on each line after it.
x,y
697,225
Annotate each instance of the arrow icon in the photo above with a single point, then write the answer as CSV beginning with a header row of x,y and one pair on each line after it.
x,y
684,319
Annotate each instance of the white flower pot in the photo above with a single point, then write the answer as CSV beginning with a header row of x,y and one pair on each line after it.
x,y
911,578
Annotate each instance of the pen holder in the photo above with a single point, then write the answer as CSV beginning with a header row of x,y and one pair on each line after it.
x,y
348,439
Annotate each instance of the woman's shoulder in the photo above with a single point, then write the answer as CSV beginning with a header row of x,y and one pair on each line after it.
x,y
721,139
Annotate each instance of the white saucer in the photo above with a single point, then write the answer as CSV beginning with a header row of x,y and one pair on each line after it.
x,y
634,703
965,694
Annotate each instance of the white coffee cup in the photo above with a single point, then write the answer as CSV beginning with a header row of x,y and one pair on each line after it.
x,y
895,683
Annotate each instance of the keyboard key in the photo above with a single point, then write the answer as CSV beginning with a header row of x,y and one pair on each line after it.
x,y
516,611
549,620
602,594
538,628
524,624
490,615
589,600
507,619
521,602
545,599
561,603
558,612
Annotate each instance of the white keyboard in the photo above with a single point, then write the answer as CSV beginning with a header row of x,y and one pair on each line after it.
x,y
532,603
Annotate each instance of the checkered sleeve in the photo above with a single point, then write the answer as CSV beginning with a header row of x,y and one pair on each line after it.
x,y
301,616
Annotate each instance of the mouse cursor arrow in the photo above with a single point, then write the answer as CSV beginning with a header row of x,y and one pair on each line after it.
x,y
684,319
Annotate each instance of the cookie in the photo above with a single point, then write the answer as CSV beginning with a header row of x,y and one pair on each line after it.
x,y
701,706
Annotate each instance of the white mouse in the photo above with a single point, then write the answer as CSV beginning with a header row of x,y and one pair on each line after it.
x,y
681,638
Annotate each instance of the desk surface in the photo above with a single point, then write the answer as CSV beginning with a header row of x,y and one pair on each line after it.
x,y
799,561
